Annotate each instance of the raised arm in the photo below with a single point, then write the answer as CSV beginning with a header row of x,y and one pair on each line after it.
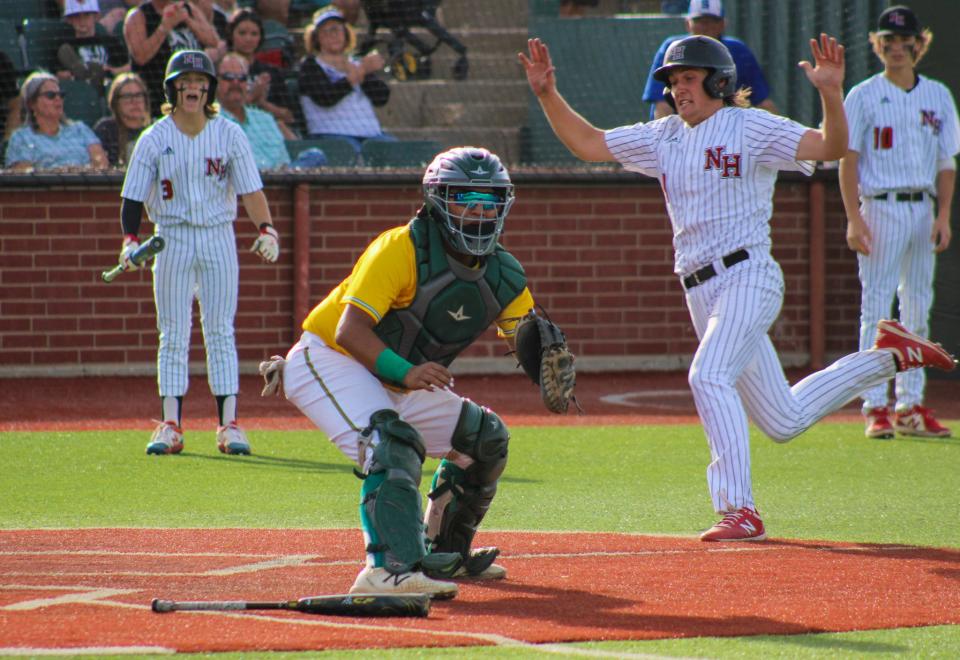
x,y
830,142
583,139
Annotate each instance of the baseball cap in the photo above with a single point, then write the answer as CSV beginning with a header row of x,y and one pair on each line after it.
x,y
705,8
328,15
71,7
898,20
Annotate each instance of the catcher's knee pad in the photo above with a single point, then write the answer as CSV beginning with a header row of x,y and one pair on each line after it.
x,y
390,497
460,498
481,435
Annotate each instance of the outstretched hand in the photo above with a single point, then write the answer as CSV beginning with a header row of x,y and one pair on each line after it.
x,y
539,67
829,60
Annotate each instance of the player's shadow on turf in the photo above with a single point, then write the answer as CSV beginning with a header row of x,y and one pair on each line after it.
x,y
886,551
260,462
843,646
584,609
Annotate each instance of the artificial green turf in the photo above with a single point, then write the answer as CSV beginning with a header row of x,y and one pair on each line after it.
x,y
830,483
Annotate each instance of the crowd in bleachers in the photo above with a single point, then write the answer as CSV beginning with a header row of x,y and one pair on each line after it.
x,y
80,79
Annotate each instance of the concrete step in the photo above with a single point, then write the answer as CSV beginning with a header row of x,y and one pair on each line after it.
x,y
455,14
465,91
483,66
488,40
444,103
506,115
505,142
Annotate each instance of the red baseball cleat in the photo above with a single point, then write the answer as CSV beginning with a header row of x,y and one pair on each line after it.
x,y
911,351
167,438
919,421
744,524
878,424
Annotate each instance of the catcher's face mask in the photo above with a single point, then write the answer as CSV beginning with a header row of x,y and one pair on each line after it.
x,y
469,194
473,218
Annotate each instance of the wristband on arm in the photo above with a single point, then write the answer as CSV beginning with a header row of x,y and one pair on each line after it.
x,y
391,367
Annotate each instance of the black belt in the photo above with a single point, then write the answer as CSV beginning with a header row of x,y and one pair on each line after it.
x,y
708,271
901,196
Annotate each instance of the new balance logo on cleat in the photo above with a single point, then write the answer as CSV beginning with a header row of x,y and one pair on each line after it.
x,y
744,524
911,351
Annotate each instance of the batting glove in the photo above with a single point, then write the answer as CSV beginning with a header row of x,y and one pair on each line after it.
x,y
130,245
268,244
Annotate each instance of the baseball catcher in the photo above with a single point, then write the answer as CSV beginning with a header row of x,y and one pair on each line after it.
x,y
543,354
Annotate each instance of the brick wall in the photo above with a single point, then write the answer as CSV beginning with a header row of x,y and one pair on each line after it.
x,y
597,254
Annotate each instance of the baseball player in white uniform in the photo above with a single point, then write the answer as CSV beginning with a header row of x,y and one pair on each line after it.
x,y
187,170
717,163
904,135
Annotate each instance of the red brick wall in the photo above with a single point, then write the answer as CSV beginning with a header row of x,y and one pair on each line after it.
x,y
598,257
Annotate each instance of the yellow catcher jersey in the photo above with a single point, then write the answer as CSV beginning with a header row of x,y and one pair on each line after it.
x,y
385,278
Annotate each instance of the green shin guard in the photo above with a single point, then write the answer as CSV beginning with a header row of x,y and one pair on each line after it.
x,y
460,498
390,496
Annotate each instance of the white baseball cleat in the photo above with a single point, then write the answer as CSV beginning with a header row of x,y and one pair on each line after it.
x,y
491,572
167,438
232,440
381,581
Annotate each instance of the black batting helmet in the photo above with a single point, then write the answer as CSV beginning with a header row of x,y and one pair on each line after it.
x,y
701,52
189,61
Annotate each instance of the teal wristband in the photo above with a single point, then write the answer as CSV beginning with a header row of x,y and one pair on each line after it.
x,y
391,366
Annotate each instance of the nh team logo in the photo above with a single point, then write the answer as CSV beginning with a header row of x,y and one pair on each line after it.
x,y
929,118
215,167
897,19
728,164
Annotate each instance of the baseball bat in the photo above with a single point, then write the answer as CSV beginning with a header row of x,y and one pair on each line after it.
x,y
405,605
143,253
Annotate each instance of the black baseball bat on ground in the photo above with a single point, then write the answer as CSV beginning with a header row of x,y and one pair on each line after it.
x,y
150,248
406,605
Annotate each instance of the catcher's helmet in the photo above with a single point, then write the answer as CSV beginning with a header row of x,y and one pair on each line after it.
x,y
460,170
189,61
701,52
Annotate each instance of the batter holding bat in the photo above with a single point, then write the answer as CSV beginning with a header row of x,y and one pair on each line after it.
x,y
187,170
717,161
371,371
904,135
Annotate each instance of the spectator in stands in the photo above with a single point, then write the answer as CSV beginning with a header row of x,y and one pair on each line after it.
x,y
269,91
47,139
158,28
705,17
89,56
9,99
338,92
214,15
129,103
274,10
263,132
576,8
112,12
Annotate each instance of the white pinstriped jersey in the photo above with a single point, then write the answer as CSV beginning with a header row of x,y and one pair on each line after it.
x,y
900,135
192,180
717,177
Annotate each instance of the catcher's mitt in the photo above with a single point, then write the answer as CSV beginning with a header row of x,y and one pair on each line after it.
x,y
543,354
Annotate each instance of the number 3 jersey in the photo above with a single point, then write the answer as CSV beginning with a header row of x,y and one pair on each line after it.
x,y
191,180
901,135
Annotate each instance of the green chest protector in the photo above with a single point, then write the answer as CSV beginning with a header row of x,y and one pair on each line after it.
x,y
454,304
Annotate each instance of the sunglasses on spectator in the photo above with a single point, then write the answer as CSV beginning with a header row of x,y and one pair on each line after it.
x,y
235,77
52,95
132,96
471,198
